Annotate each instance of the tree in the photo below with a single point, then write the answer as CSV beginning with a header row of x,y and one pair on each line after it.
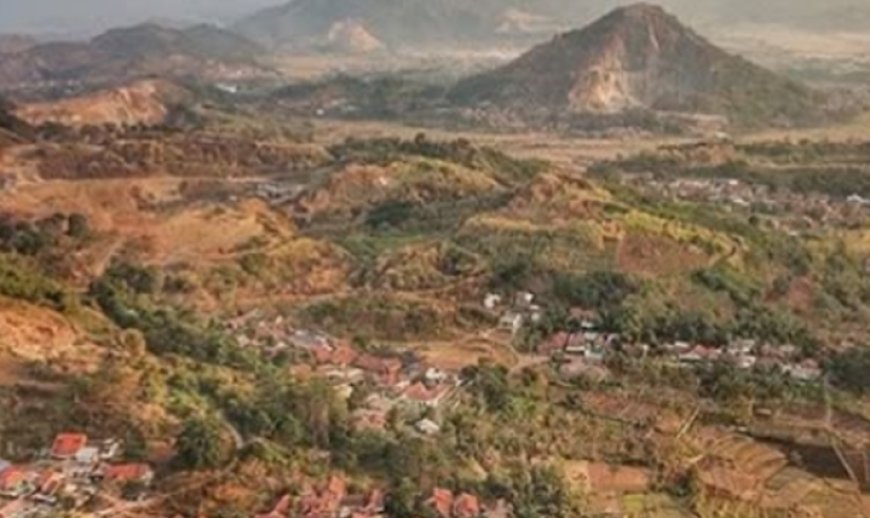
x,y
851,370
201,445
78,226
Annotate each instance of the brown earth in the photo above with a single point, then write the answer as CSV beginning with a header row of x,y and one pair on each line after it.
x,y
31,334
142,102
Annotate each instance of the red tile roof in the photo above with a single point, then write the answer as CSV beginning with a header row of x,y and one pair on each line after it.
x,y
11,478
68,444
422,394
127,472
442,501
466,506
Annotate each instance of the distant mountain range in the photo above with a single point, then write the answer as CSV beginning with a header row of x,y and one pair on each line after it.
x,y
133,52
410,24
638,57
401,24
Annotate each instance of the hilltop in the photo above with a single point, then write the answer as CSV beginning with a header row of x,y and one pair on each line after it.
x,y
135,52
639,57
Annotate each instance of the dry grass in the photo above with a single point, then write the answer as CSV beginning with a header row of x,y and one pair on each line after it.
x,y
455,355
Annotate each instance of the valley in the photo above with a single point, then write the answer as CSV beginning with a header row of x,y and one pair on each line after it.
x,y
624,274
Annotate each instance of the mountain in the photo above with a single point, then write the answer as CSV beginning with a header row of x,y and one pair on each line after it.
x,y
142,50
638,57
12,43
403,24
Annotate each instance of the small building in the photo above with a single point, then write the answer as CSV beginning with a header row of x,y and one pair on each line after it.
x,y
511,321
466,505
806,371
420,394
386,370
122,474
368,419
491,301
524,299
555,344
435,376
67,445
427,427
48,486
88,456
15,482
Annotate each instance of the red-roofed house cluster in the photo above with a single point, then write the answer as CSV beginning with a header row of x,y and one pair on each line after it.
x,y
73,470
330,499
392,381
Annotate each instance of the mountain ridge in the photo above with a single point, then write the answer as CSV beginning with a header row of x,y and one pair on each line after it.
x,y
638,56
133,52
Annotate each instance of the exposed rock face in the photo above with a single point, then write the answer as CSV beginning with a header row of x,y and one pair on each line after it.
x,y
352,37
638,57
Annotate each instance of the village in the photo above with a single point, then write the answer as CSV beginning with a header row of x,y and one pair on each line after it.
x,y
383,387
792,212
74,472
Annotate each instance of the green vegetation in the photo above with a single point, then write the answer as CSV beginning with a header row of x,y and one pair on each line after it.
x,y
202,445
461,151
850,369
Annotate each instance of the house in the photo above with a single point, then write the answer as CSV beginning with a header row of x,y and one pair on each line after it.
x,y
700,354
15,509
364,506
87,456
742,347
441,502
447,505
434,376
466,506
511,321
745,362
807,371
524,299
309,340
427,427
67,445
420,394
122,474
386,370
325,501
15,482
368,419
491,301
555,344
48,486
280,510
577,344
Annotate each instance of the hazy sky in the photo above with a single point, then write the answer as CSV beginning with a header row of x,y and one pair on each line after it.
x,y
88,16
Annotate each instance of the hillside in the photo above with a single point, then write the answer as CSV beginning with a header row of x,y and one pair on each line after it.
x,y
133,52
12,129
145,102
639,57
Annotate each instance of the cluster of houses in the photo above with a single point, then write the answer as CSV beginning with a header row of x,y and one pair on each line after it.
x,y
69,475
583,353
333,499
514,313
798,211
391,382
